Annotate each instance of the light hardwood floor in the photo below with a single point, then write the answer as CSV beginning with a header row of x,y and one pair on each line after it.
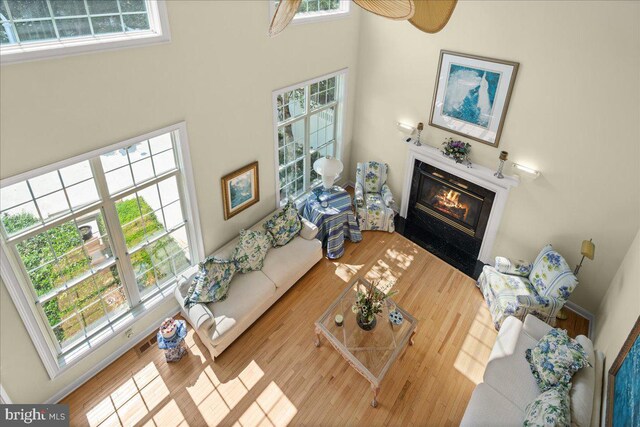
x,y
274,375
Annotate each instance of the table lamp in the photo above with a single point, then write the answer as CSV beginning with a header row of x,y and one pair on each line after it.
x,y
328,168
588,249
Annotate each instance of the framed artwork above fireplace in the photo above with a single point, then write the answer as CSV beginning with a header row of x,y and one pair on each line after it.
x,y
472,95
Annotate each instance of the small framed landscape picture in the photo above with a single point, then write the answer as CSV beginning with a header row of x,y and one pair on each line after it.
x,y
471,96
240,189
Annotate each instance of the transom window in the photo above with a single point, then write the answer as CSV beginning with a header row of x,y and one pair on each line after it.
x,y
314,10
93,241
308,126
63,25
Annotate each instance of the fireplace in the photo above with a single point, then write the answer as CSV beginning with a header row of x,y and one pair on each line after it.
x,y
447,215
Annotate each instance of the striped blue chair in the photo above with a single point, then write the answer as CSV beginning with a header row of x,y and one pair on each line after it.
x,y
518,288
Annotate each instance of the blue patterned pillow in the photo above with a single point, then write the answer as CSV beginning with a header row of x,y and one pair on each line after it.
x,y
251,250
211,283
555,359
550,409
551,275
284,225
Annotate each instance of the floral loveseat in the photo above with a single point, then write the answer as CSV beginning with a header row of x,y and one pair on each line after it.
x,y
520,288
373,198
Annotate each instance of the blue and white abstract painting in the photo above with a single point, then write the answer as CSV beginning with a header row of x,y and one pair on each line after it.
x,y
626,390
470,94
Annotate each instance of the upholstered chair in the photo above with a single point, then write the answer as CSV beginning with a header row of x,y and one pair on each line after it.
x,y
373,198
518,288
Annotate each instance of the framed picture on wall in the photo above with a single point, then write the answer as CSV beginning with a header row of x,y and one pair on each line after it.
x,y
240,189
472,95
623,387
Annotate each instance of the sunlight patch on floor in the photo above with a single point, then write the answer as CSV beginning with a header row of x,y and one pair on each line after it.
x,y
216,399
271,408
476,348
347,271
169,415
132,400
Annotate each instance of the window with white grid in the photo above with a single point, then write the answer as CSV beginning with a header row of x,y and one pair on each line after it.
x,y
32,26
95,239
314,10
308,121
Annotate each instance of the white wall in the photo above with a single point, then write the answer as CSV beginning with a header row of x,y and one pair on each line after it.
x,y
619,309
573,115
217,73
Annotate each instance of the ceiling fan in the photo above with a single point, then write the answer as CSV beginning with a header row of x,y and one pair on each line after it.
x,y
429,16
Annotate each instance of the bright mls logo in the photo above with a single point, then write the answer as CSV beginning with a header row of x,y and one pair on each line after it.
x,y
34,415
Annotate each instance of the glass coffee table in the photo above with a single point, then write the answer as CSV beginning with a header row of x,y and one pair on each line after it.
x,y
371,353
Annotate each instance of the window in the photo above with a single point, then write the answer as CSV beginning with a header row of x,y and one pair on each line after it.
x,y
308,126
94,240
316,10
31,29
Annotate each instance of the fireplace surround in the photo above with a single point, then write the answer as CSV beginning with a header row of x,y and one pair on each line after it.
x,y
452,210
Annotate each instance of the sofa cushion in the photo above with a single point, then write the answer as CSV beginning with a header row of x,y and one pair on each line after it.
x,y
284,225
507,362
551,275
550,409
248,292
251,250
555,358
279,265
583,390
211,283
482,409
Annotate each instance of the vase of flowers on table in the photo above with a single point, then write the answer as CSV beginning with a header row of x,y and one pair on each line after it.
x,y
368,305
457,150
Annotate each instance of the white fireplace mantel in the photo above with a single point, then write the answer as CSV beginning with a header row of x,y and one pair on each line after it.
x,y
480,175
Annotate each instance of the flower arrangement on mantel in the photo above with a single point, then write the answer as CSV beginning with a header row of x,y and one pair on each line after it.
x,y
457,150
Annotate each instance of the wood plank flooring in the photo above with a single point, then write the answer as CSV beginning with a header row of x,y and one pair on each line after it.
x,y
273,375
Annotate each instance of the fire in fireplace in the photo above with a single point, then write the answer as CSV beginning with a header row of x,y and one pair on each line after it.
x,y
448,215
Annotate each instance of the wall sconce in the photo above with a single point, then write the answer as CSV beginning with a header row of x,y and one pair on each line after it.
x,y
405,128
530,171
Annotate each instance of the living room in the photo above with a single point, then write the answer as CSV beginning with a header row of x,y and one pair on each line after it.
x,y
112,148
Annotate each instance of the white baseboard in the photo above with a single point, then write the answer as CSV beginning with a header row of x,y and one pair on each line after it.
x,y
106,362
584,313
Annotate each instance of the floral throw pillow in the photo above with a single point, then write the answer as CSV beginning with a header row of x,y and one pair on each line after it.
x,y
284,225
211,283
513,267
555,359
251,250
550,409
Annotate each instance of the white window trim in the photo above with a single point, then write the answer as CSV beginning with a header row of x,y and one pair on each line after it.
x,y
311,17
342,107
54,364
158,33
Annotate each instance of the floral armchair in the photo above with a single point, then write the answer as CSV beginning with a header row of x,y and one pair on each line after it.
x,y
518,288
373,198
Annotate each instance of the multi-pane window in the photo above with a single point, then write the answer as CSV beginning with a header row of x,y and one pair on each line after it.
x,y
29,25
94,240
308,127
318,8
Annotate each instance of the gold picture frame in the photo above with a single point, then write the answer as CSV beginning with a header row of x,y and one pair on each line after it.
x,y
479,113
240,190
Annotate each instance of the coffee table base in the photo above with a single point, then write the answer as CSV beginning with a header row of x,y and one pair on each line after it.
x,y
374,387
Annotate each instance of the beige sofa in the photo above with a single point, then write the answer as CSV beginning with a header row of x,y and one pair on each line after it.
x,y
508,385
251,294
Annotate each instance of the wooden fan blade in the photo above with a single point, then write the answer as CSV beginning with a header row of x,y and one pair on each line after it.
x,y
431,16
392,9
284,14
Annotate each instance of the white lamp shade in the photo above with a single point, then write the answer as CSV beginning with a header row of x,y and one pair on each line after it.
x,y
328,168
